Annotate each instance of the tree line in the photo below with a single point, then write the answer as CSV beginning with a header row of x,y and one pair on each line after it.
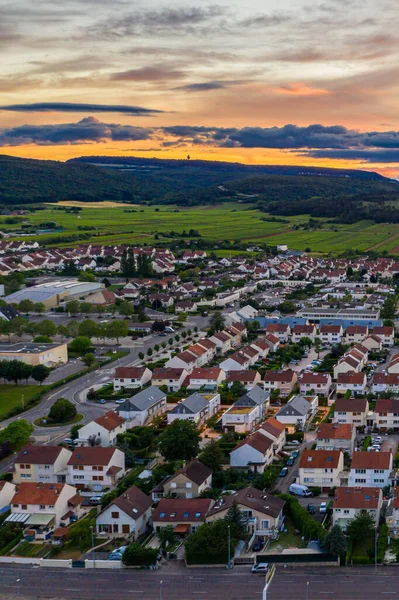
x,y
15,370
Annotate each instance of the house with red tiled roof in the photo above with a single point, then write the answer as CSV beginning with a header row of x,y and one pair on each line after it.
x,y
356,333
236,362
47,464
285,381
272,341
353,411
387,414
321,468
253,453
319,383
248,377
280,330
184,514
336,436
127,515
103,430
172,378
351,381
222,340
40,507
349,502
385,382
303,331
184,360
206,378
386,333
275,431
131,377
331,334
95,468
373,469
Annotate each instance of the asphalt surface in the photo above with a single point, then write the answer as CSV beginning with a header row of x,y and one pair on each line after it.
x,y
361,583
178,583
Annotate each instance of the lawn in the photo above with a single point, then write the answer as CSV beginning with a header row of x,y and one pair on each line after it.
x,y
225,221
11,396
41,421
287,539
33,550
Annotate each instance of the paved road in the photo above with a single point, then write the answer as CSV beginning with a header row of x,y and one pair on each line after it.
x,y
338,584
178,583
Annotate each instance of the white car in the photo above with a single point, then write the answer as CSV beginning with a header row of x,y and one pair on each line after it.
x,y
120,401
260,568
323,507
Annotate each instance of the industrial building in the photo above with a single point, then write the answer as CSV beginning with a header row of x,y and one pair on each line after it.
x,y
35,354
52,293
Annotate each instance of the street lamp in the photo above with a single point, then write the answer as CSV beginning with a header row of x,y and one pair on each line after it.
x,y
18,580
307,590
92,547
228,546
160,590
375,545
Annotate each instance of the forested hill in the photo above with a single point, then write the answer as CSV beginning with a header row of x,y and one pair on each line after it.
x,y
350,194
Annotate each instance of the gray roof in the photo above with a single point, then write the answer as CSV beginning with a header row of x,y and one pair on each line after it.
x,y
255,396
143,400
297,407
191,405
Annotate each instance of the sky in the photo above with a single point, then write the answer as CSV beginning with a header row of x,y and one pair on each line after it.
x,y
256,81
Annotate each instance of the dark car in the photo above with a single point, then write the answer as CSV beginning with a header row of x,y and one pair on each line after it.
x,y
257,546
311,509
290,462
294,454
283,472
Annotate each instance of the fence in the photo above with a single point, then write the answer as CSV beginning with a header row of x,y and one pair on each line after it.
x,y
61,564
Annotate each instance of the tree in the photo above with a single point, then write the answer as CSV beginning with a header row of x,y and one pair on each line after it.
x,y
86,308
156,347
75,431
360,527
89,359
235,516
87,276
180,441
16,433
72,328
335,541
39,308
26,306
149,352
170,341
126,309
141,355
317,346
164,344
80,534
18,326
212,456
73,307
62,331
117,329
27,370
80,344
182,317
62,410
177,337
238,389
217,322
138,555
88,328
46,327
287,307
166,536
209,543
40,373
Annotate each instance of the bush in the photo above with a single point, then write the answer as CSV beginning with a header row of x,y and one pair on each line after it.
x,y
136,555
62,411
366,443
310,529
316,491
382,543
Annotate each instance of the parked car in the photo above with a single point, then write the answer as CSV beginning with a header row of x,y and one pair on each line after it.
x,y
283,472
299,490
101,401
120,401
94,500
323,508
295,454
117,554
294,443
260,568
290,462
258,545
311,509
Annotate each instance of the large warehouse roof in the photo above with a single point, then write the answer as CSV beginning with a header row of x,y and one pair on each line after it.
x,y
43,291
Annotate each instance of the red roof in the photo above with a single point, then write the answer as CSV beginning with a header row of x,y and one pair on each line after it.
x,y
110,420
129,372
352,405
92,455
175,510
362,498
320,459
29,492
371,460
311,378
351,378
243,376
279,376
257,440
388,405
335,431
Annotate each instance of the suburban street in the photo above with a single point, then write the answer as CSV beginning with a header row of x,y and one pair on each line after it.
x,y
179,583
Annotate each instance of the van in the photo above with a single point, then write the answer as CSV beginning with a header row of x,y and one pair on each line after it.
x,y
94,500
299,490
169,329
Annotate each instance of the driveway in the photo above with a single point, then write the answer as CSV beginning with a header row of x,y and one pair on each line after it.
x,y
312,355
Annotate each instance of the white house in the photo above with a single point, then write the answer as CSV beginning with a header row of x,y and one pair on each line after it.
x,y
349,502
303,331
280,330
7,491
353,411
331,334
103,430
236,362
196,408
222,341
385,382
173,379
41,506
256,396
95,468
184,360
241,419
321,468
274,431
387,414
131,377
128,515
41,463
249,378
253,453
387,335
143,407
318,383
336,436
372,469
351,381
208,379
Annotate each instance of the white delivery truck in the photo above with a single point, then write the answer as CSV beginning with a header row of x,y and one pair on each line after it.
x,y
299,490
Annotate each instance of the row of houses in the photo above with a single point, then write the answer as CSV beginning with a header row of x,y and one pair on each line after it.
x,y
331,334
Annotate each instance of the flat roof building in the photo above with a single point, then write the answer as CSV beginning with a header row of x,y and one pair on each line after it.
x,y
52,293
35,354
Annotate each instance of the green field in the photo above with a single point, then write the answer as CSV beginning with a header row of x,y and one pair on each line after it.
x,y
11,396
226,221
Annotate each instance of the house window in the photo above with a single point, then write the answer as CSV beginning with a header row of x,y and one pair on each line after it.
x,y
51,505
197,515
42,507
115,515
189,485
173,484
361,471
46,467
360,481
346,511
265,524
24,506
